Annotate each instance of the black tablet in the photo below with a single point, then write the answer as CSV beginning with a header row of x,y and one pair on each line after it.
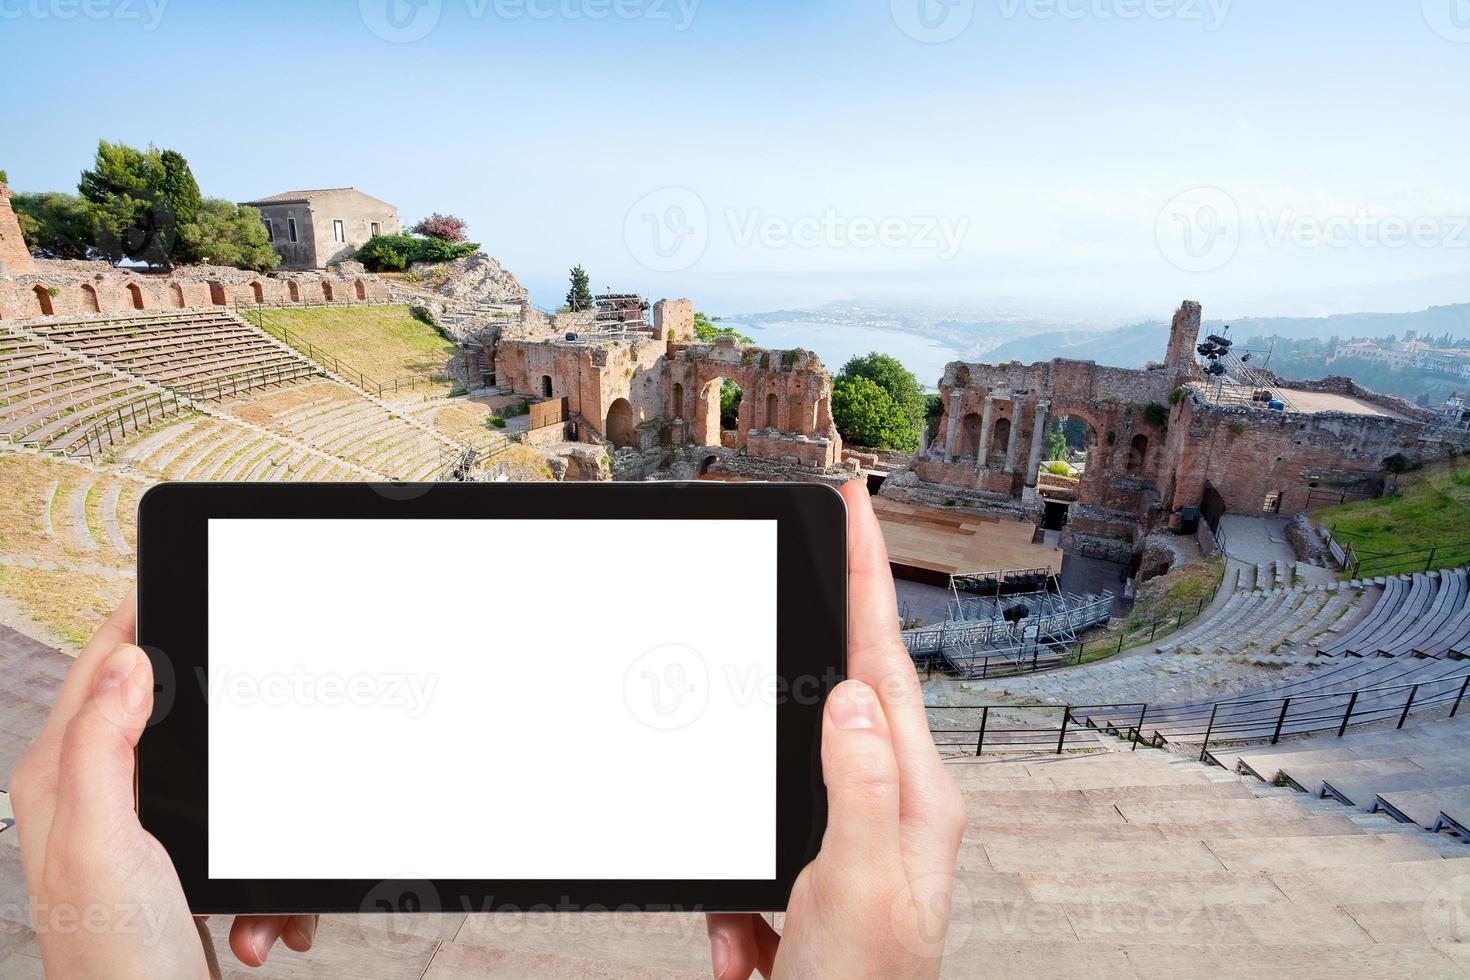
x,y
426,697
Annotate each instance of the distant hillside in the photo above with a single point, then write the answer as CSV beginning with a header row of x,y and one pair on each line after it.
x,y
1139,343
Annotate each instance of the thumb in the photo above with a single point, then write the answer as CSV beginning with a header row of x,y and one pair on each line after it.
x,y
96,775
861,773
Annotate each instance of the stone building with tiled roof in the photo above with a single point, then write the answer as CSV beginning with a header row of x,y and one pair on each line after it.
x,y
313,229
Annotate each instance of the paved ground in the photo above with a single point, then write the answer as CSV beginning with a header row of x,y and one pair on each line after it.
x,y
1083,575
1257,540
924,603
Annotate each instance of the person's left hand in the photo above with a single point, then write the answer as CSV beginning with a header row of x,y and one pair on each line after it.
x,y
105,899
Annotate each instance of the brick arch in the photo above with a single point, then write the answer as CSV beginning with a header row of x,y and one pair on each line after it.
x,y
89,299
135,296
43,300
176,293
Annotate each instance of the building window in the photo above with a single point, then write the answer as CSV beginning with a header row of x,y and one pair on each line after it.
x,y
291,227
339,231
270,230
376,228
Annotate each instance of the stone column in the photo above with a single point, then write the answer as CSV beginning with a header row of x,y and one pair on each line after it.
x,y
1038,437
954,426
985,421
1010,466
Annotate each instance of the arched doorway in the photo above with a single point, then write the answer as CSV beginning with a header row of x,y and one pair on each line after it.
x,y
326,291
217,292
43,300
258,291
1000,439
359,290
545,386
176,293
677,411
620,423
89,299
773,412
293,290
1137,455
709,461
969,436
135,293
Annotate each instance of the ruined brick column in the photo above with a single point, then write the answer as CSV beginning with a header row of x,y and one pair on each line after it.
x,y
1010,466
954,425
15,258
985,420
1038,436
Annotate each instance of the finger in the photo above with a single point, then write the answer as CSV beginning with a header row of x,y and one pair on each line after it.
x,y
768,940
861,773
299,932
121,627
252,936
876,656
94,785
733,951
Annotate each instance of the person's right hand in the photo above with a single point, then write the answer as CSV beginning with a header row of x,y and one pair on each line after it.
x,y
876,900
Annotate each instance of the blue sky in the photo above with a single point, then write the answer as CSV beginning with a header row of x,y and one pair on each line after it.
x,y
1085,158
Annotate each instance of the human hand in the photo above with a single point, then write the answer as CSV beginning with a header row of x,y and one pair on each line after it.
x,y
105,899
875,902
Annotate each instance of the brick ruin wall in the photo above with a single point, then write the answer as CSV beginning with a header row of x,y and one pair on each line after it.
x,y
15,258
644,393
68,288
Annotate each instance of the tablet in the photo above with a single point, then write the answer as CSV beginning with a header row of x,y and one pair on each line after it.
x,y
481,697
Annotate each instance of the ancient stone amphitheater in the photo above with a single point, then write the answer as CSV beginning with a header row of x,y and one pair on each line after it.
x,y
1309,822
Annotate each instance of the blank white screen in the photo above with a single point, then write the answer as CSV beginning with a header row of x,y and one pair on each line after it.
x,y
492,699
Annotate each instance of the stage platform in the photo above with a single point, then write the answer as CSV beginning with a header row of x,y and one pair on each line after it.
x,y
928,544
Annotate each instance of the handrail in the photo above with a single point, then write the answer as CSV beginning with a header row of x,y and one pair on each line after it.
x,y
1270,724
326,359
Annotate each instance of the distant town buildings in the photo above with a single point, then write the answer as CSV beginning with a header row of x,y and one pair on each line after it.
x,y
1410,352
314,229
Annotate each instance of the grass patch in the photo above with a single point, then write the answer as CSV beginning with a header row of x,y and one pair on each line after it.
x,y
70,604
383,342
1430,512
1171,601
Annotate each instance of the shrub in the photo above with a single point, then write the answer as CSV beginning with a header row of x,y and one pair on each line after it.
x,y
1058,468
497,422
1156,415
393,253
1176,396
445,227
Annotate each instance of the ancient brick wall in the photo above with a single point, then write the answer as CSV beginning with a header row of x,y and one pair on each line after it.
x,y
15,258
87,288
673,319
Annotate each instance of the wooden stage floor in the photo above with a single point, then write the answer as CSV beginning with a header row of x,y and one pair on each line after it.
x,y
935,540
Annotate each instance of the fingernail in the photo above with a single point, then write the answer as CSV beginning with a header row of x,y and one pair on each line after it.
x,y
854,705
719,953
262,941
117,667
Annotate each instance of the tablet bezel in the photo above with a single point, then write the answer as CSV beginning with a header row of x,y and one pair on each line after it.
x,y
173,775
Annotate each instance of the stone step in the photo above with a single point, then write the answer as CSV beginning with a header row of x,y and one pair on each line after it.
x,y
1285,854
1062,856
1200,811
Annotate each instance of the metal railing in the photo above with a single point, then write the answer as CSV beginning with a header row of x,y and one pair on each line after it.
x,y
256,315
115,425
1263,718
1359,562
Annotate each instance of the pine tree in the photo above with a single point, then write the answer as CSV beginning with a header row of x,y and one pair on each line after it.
x,y
579,297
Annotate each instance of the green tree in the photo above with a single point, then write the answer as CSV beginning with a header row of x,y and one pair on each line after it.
x,y
1056,443
706,331
866,414
902,387
730,395
579,297
54,225
223,234
139,201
